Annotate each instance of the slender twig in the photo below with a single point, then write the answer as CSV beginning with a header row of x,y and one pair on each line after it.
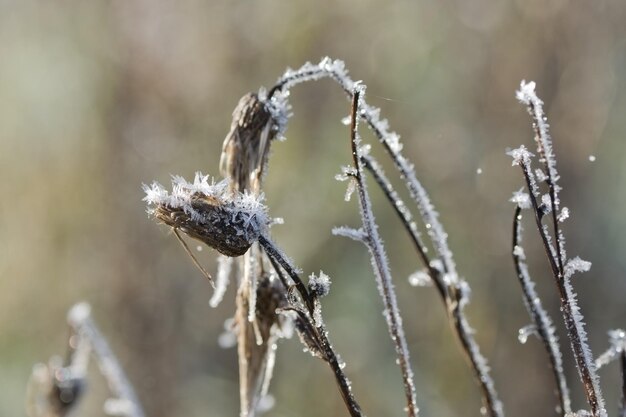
x,y
390,141
571,314
405,217
453,305
193,257
573,324
379,261
540,317
321,335
125,402
273,252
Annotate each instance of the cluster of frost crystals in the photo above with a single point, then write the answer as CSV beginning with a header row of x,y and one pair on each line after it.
x,y
527,96
224,265
584,342
521,199
279,108
420,278
579,413
327,67
319,285
348,174
546,203
525,332
617,340
247,204
576,265
564,215
521,156
355,234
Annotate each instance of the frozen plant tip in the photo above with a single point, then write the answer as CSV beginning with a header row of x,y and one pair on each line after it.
x,y
561,270
228,221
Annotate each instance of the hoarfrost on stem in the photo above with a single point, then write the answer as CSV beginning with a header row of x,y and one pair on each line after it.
x,y
576,265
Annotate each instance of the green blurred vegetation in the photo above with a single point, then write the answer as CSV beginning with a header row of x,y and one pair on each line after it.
x,y
99,97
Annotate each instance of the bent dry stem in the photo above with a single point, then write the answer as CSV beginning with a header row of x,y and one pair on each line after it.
x,y
449,294
379,261
318,330
542,322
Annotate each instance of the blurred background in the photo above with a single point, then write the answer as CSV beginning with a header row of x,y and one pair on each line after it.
x,y
99,97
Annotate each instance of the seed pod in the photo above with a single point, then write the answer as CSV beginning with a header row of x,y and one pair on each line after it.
x,y
219,224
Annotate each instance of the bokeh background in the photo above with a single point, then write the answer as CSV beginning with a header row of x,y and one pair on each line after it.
x,y
99,97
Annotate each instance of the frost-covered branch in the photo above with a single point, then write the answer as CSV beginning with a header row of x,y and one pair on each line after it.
x,y
616,350
542,323
125,402
309,320
379,261
569,306
232,223
335,69
54,390
450,291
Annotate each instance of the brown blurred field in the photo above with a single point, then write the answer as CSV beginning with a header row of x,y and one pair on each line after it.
x,y
98,97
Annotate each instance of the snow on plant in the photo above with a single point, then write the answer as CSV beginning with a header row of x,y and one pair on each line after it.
x,y
562,269
272,299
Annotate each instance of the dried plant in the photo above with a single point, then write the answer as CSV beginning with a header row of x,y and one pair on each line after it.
x,y
55,389
273,300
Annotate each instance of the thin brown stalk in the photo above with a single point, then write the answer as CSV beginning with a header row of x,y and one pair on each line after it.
x,y
193,257
318,331
541,320
448,294
379,261
584,364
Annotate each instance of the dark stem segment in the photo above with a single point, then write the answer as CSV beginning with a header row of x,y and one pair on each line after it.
x,y
539,316
400,208
584,367
379,261
278,260
275,254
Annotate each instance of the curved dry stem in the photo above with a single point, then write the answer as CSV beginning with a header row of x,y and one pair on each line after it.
x,y
125,402
319,332
453,305
573,323
381,267
540,317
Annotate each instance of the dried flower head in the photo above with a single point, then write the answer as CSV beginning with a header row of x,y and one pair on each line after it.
x,y
227,221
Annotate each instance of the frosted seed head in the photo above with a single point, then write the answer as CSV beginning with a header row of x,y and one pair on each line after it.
x,y
229,222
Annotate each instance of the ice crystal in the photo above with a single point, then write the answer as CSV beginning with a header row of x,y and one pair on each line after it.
x,y
617,340
420,278
520,155
522,199
224,265
319,285
526,331
576,265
